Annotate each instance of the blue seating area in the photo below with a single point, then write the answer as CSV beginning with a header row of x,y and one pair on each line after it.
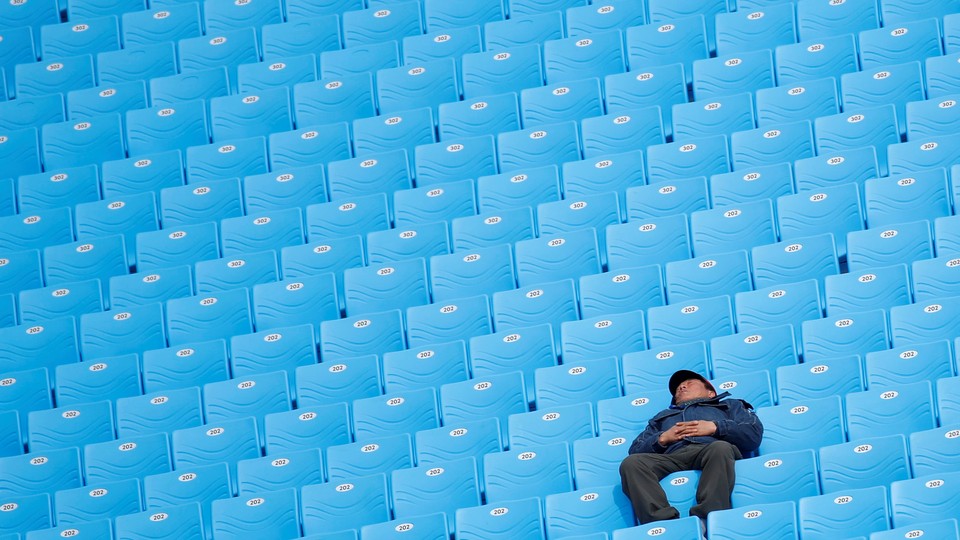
x,y
292,269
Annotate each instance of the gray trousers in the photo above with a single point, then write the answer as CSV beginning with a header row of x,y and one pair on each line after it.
x,y
640,476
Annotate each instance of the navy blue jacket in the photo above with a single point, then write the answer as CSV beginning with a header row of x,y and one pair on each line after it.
x,y
735,419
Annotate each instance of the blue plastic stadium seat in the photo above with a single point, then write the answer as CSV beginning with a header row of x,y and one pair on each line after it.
x,y
225,159
306,428
700,277
772,25
913,363
390,414
333,100
12,438
307,299
848,333
44,472
105,378
822,19
838,167
31,512
753,387
456,319
835,209
945,528
609,334
309,147
104,500
250,115
519,518
88,35
864,462
784,142
720,116
526,29
371,333
65,299
92,140
438,44
701,156
211,200
356,215
458,275
576,382
228,48
559,101
827,57
811,257
805,100
127,215
724,229
620,290
661,86
521,349
144,172
621,132
269,512
455,159
273,229
503,70
557,256
22,148
446,488
845,512
142,63
902,242
425,84
599,508
432,204
692,319
496,396
583,21
682,40
930,118
655,240
196,484
573,58
100,100
18,48
523,187
929,320
873,126
359,60
98,258
551,302
661,11
886,410
60,75
282,348
668,530
593,459
219,441
534,471
165,128
159,412
760,520
172,23
285,187
163,249
208,316
542,145
776,477
423,366
745,352
32,14
57,187
732,73
32,111
940,74
191,363
32,344
487,115
458,440
320,385
934,278
182,520
946,241
389,285
255,395
377,24
199,84
381,454
890,83
927,153
346,503
25,391
645,371
403,130
97,528
439,15
74,425
820,378
220,16
805,424
492,228
283,71
127,457
913,40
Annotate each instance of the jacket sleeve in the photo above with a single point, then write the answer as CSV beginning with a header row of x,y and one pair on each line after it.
x,y
742,428
647,441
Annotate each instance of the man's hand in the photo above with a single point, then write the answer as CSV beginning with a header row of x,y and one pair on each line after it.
x,y
695,428
671,435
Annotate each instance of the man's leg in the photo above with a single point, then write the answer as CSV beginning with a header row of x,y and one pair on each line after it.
x,y
640,476
717,476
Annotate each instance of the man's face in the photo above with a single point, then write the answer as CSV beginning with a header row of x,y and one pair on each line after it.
x,y
692,389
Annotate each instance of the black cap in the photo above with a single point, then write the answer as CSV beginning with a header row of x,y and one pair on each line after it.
x,y
685,375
